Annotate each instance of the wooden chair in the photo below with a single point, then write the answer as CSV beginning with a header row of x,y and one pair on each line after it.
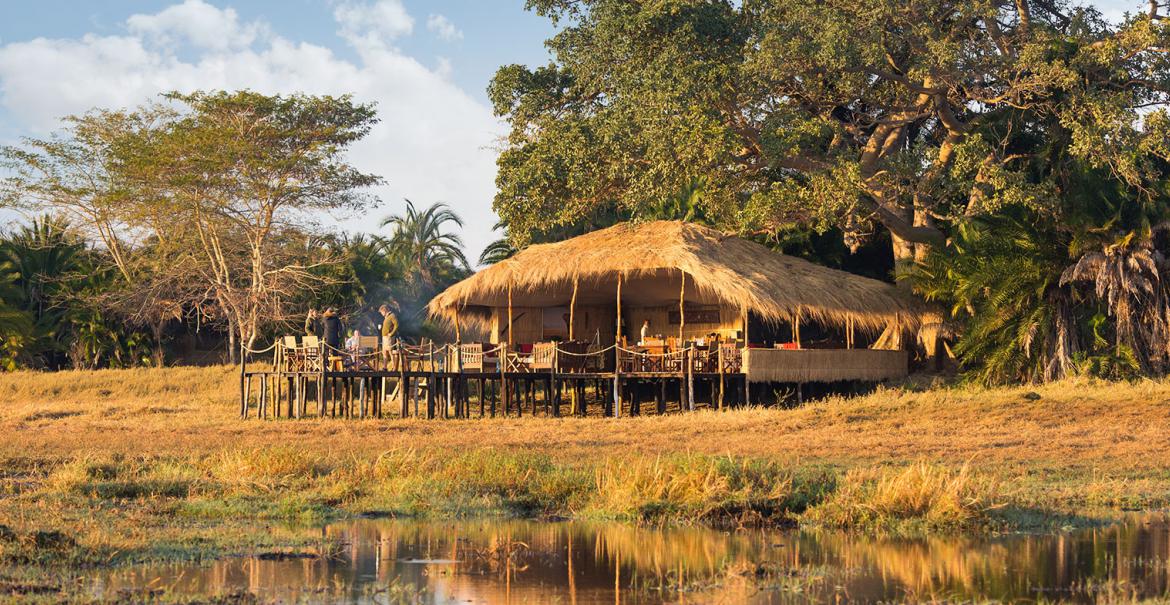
x,y
573,356
543,354
473,359
730,358
363,358
310,354
290,356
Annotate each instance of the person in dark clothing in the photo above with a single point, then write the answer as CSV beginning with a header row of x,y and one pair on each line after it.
x,y
333,328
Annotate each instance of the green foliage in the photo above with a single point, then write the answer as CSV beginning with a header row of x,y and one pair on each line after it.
x,y
865,117
55,286
1000,277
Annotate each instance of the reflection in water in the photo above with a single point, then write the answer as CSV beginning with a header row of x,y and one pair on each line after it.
x,y
493,561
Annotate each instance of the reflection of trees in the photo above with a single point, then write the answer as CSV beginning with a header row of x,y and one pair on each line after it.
x,y
501,559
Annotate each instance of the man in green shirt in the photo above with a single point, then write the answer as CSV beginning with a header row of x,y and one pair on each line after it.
x,y
389,326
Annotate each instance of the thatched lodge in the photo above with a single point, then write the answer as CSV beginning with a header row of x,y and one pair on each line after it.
x,y
694,288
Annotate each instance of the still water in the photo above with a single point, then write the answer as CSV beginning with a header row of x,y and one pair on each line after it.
x,y
494,561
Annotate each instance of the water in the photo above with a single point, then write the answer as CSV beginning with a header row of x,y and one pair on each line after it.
x,y
494,561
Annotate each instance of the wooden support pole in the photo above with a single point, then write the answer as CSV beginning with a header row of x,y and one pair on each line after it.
x,y
247,396
573,309
682,316
690,369
796,327
552,379
503,373
243,373
404,410
617,339
431,385
849,332
722,376
509,313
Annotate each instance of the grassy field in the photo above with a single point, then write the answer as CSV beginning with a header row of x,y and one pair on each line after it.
x,y
122,466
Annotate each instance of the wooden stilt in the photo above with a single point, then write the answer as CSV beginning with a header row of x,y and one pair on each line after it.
x,y
243,388
247,395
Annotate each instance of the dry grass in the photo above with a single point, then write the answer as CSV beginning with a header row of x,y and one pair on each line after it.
x,y
931,496
1112,428
154,464
173,434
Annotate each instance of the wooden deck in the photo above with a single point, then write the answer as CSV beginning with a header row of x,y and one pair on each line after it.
x,y
424,386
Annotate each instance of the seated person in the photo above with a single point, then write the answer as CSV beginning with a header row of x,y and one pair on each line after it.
x,y
353,346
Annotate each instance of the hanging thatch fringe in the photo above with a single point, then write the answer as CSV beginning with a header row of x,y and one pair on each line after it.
x,y
823,365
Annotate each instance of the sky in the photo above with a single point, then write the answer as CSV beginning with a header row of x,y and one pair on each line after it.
x,y
426,63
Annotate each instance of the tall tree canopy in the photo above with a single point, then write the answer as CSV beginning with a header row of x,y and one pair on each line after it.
x,y
203,200
858,114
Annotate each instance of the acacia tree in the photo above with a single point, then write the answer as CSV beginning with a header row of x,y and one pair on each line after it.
x,y
859,114
236,180
203,200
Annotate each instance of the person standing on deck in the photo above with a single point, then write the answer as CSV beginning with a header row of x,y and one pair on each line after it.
x,y
645,331
332,328
312,324
389,326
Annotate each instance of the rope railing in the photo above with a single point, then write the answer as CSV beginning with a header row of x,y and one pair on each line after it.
x,y
429,353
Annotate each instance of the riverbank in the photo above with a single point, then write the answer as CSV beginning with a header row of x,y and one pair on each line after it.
x,y
122,466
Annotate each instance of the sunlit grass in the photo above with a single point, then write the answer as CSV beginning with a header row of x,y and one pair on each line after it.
x,y
155,464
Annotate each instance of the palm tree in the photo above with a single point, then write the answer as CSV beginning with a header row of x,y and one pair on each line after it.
x,y
16,325
1000,280
420,241
430,257
498,250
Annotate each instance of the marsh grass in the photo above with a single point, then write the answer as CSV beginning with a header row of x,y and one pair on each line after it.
x,y
154,464
919,496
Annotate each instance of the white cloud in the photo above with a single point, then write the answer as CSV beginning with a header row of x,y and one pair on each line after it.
x,y
442,27
434,141
385,18
198,23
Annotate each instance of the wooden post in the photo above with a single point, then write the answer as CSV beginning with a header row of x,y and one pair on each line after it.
x,y
682,318
690,380
849,332
573,308
243,372
247,395
683,385
321,379
552,379
503,373
509,312
722,376
617,354
431,386
617,339
796,327
404,409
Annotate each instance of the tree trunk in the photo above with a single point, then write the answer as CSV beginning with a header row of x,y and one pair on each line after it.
x,y
159,354
232,335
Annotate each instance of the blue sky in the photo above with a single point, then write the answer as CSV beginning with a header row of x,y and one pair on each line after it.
x,y
425,63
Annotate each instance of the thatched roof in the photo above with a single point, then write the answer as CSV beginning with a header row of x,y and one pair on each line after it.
x,y
718,268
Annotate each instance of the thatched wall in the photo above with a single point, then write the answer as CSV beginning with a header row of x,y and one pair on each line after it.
x,y
824,365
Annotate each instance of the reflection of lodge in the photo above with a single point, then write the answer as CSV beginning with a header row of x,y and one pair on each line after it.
x,y
673,311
